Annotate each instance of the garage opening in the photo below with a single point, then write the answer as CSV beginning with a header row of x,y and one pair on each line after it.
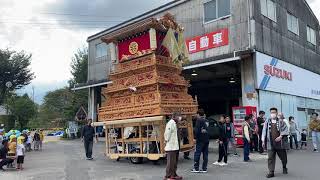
x,y
217,87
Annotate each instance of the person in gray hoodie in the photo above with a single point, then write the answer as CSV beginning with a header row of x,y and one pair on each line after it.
x,y
275,132
293,132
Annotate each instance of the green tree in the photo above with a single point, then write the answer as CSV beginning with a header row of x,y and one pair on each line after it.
x,y
14,68
56,103
79,71
79,67
63,103
22,108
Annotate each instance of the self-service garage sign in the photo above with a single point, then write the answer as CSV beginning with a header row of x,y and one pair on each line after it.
x,y
208,41
279,76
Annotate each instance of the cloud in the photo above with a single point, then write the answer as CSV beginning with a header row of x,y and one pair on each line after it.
x,y
315,4
100,12
311,1
39,90
52,31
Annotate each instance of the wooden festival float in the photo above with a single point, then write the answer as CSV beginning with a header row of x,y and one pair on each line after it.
x,y
147,87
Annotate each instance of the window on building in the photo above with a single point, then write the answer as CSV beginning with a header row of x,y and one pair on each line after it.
x,y
293,23
101,50
311,35
214,9
269,9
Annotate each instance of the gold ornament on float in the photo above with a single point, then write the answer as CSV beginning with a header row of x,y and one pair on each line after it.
x,y
133,47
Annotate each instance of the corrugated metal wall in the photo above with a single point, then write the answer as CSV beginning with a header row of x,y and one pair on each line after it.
x,y
297,107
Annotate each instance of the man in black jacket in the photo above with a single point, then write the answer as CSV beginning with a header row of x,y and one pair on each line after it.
x,y
87,135
223,143
202,142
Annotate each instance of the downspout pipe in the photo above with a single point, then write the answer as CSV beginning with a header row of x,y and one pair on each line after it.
x,y
249,23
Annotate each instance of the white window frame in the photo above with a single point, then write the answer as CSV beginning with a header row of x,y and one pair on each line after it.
x,y
311,35
290,19
96,50
217,13
266,14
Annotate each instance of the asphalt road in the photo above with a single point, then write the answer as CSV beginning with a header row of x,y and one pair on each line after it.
x,y
64,160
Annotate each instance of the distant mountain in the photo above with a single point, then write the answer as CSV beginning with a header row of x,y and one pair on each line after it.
x,y
41,89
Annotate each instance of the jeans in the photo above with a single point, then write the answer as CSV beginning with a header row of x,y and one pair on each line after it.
x,y
36,145
233,144
223,152
293,137
315,139
201,148
88,148
246,149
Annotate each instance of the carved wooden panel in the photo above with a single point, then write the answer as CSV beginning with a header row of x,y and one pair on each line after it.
x,y
159,89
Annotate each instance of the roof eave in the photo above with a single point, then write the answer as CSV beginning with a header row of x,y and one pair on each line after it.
x,y
307,4
137,18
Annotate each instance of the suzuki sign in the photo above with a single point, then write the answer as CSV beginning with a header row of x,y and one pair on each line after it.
x,y
278,76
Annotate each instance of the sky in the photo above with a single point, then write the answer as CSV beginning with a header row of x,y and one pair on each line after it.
x,y
53,30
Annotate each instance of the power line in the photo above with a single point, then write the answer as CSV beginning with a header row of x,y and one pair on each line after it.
x,y
47,23
83,15
57,20
83,22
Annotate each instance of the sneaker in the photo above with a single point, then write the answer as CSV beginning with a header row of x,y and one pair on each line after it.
x,y
315,150
223,164
236,154
216,163
203,171
195,171
285,170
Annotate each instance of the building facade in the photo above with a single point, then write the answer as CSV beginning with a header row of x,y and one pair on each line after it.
x,y
234,45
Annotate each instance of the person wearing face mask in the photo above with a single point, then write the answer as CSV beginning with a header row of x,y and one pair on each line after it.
x,y
172,146
202,142
315,130
274,132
